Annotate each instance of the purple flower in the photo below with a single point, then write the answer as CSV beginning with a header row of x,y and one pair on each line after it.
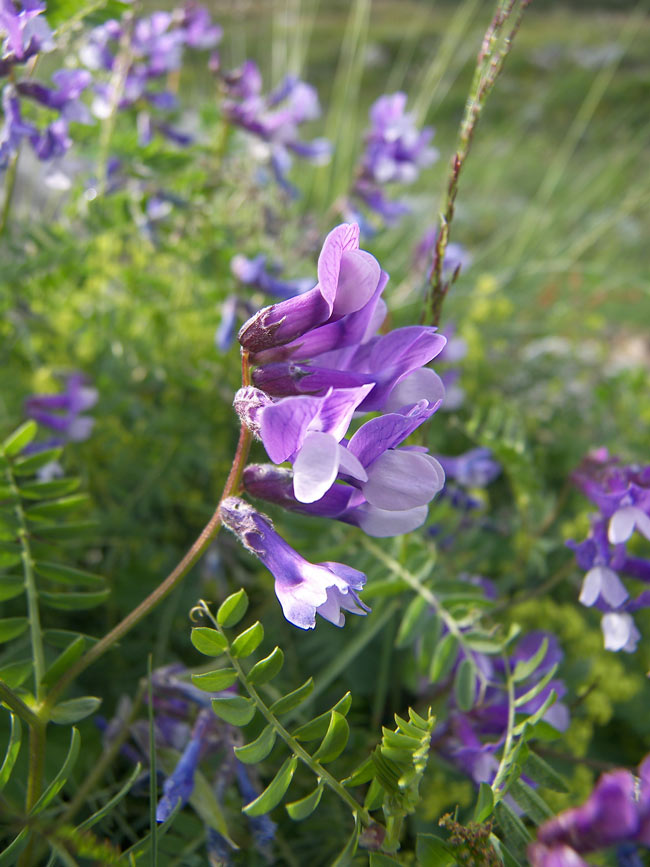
x,y
178,787
395,152
254,272
622,495
616,812
473,469
276,117
25,33
303,589
63,413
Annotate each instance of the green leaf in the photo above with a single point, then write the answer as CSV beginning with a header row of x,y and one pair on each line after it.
x,y
236,710
112,802
266,669
74,709
414,620
293,699
208,641
531,721
513,830
29,464
59,532
67,575
232,609
535,690
20,438
11,587
444,658
74,601
215,681
482,642
526,667
11,754
275,791
530,802
9,855
10,555
61,778
63,662
11,627
377,859
317,727
38,490
335,739
299,810
465,685
56,508
540,771
485,803
248,641
259,749
432,851
206,805
16,673
363,774
345,857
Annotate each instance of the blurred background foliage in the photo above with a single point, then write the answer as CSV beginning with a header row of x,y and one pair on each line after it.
x,y
553,208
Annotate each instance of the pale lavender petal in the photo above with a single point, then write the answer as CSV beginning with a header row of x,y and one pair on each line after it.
x,y
621,525
400,480
358,278
351,465
316,466
591,586
387,431
336,409
339,241
619,631
418,385
382,523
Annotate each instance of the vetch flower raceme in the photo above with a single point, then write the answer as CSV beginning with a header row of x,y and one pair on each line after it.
x,y
303,589
622,495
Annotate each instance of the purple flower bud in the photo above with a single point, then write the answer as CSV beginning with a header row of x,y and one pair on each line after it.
x,y
302,588
248,403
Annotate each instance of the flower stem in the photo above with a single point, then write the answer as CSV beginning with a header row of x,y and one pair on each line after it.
x,y
495,47
206,536
498,783
10,183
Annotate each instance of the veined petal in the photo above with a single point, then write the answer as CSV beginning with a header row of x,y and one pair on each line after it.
x,y
358,278
400,480
418,385
284,424
336,408
316,466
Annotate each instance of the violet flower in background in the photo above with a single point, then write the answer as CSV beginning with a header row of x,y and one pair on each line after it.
x,y
63,413
155,48
274,118
622,496
395,152
24,33
616,813
456,256
471,739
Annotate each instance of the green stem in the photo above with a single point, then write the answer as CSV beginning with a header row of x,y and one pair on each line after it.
x,y
10,183
205,538
504,764
34,785
17,705
316,768
495,48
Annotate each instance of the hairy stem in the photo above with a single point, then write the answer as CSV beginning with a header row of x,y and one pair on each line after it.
x,y
232,486
495,47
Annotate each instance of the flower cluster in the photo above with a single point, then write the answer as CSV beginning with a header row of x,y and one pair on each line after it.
x,y
27,35
320,361
395,152
150,48
274,118
471,739
185,726
616,813
622,495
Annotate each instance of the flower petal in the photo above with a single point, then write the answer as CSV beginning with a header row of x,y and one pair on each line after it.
x,y
315,467
418,385
382,523
400,480
621,525
358,278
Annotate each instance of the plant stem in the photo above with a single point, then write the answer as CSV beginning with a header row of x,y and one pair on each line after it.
x,y
232,486
317,769
504,764
17,705
495,48
10,183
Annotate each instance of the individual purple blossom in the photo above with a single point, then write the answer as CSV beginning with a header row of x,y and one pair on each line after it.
x,y
178,787
395,152
617,812
303,589
26,34
63,413
274,118
255,272
473,469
